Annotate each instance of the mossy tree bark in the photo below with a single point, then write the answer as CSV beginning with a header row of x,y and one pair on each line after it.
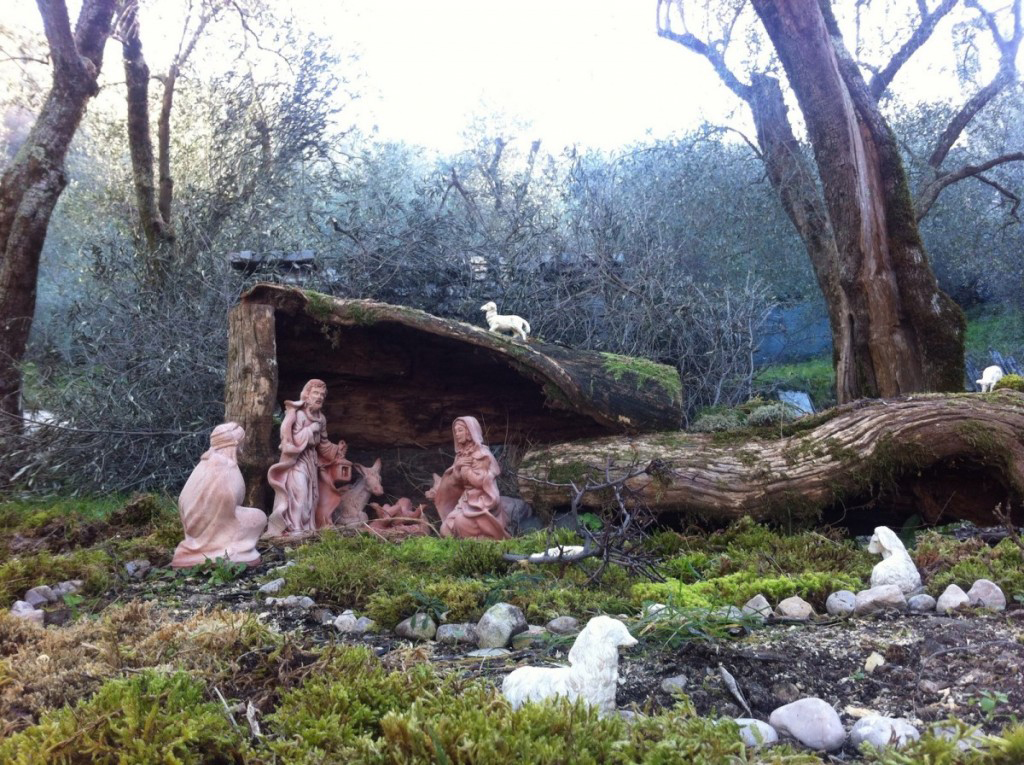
x,y
904,335
34,180
943,457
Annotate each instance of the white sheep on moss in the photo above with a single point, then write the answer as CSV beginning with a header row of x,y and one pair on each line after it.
x,y
593,674
989,378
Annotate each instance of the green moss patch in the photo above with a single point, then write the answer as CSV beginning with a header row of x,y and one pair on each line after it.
x,y
645,371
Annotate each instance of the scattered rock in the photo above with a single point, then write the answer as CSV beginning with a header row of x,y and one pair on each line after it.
x,y
812,722
531,637
457,633
564,625
301,602
953,599
418,627
346,622
841,603
272,586
984,593
756,733
882,732
758,606
323,616
675,684
794,608
365,624
921,604
879,599
24,610
785,692
931,686
874,661
497,626
39,595
70,587
137,569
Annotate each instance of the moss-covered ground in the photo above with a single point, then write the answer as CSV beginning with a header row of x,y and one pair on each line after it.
x,y
173,668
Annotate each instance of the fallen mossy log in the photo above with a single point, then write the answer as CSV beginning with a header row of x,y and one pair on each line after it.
x,y
943,457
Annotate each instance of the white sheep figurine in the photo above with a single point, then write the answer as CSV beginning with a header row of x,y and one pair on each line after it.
x,y
592,676
896,566
990,377
500,323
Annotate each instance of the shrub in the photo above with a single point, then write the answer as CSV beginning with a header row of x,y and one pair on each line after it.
x,y
148,718
1010,382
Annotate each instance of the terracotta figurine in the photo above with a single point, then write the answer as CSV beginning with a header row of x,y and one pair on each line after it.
x,y
210,505
466,496
400,519
308,461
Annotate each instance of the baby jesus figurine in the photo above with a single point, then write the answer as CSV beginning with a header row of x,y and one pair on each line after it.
x,y
400,519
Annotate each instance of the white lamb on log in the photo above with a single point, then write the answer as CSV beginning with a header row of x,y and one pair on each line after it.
x,y
501,323
593,674
990,377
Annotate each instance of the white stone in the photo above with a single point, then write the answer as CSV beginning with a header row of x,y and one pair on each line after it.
x,y
896,567
984,593
756,733
272,586
841,603
69,587
794,608
812,722
654,608
302,602
39,595
952,599
675,684
137,569
921,604
880,598
25,610
497,626
346,622
758,606
489,653
882,732
418,627
564,625
874,661
365,624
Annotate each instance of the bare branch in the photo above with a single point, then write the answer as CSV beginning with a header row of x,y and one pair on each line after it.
x,y
926,196
921,34
688,40
1007,74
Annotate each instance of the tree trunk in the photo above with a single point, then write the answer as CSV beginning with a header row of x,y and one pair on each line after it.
x,y
942,457
251,393
795,183
902,333
155,226
34,180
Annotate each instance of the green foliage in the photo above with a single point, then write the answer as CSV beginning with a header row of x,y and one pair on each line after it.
x,y
771,414
965,747
738,588
1002,331
644,371
356,711
816,376
1010,382
149,718
94,567
717,422
946,560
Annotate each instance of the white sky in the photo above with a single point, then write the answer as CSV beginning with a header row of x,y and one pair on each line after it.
x,y
592,72
588,72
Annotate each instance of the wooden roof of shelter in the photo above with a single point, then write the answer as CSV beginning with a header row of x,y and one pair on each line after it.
x,y
397,377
